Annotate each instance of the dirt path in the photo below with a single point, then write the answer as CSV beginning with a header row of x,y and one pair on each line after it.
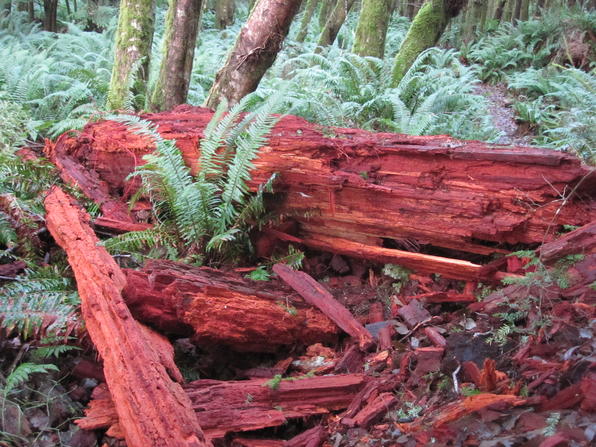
x,y
503,115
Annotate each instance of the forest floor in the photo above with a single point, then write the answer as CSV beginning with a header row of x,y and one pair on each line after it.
x,y
503,116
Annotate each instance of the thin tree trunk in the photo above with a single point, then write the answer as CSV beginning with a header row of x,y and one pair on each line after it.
x,y
335,21
306,18
525,10
31,10
425,31
132,52
224,13
372,28
50,8
516,10
500,11
255,50
326,8
178,50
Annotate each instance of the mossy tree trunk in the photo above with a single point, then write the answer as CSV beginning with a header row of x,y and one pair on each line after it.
x,y
132,51
178,50
224,13
334,22
306,18
372,28
326,8
255,50
50,8
525,10
500,10
425,31
474,19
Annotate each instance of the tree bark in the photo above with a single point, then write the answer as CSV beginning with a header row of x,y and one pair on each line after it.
x,y
50,8
223,407
255,51
334,22
372,28
179,42
500,10
326,8
421,202
425,31
473,22
224,13
153,410
222,309
306,19
132,51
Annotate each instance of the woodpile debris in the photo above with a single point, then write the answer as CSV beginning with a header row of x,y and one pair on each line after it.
x,y
356,359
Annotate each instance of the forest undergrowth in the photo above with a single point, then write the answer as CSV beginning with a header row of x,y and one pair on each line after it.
x,y
51,83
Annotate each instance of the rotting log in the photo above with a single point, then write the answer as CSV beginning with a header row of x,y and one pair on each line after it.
x,y
317,296
222,309
152,408
239,406
420,195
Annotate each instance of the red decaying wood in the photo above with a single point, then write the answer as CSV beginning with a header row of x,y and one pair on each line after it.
x,y
153,410
350,361
377,189
579,241
11,270
414,313
237,406
314,294
385,335
373,410
223,309
435,337
312,437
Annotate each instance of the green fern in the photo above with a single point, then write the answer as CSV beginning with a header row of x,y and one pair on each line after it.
x,y
23,373
211,211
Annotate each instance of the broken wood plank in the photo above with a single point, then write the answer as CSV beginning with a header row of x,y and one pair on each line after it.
x,y
153,410
313,437
316,295
246,405
220,308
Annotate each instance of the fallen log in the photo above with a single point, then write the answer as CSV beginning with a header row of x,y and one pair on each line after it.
x,y
247,405
430,195
317,296
223,309
152,408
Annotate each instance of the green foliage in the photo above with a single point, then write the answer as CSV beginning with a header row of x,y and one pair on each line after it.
x,y
401,275
259,274
23,373
209,211
292,259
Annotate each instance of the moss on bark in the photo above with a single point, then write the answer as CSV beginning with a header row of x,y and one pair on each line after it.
x,y
133,48
306,18
425,31
372,28
335,21
178,49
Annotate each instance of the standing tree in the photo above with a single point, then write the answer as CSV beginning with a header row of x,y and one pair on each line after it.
x,y
180,37
334,22
326,6
50,8
255,50
372,28
306,18
132,52
425,31
224,13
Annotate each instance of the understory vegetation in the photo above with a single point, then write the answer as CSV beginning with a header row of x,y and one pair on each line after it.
x,y
51,83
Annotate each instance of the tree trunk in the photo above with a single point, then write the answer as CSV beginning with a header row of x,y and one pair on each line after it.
x,y
50,8
255,51
525,10
474,19
500,10
132,52
372,28
425,31
334,22
306,18
326,7
516,10
180,37
224,13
